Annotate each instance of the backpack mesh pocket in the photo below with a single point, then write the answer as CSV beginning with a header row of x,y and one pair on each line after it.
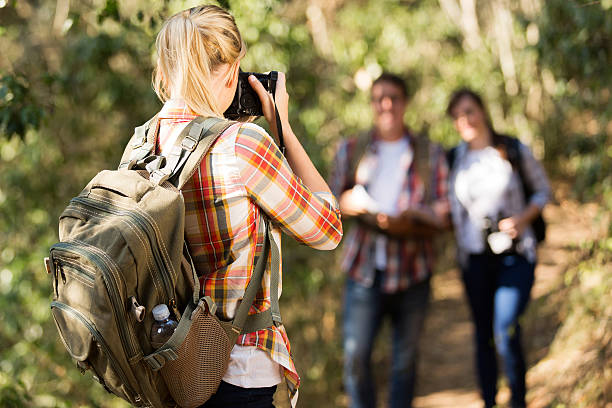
x,y
202,361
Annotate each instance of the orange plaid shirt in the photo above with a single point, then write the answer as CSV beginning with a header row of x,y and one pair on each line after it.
x,y
243,179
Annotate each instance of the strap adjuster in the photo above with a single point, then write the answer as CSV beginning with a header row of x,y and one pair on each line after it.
x,y
189,143
140,136
159,176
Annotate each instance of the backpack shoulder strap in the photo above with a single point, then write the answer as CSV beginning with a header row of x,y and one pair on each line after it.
x,y
451,155
508,147
197,142
357,149
422,155
512,149
203,132
244,322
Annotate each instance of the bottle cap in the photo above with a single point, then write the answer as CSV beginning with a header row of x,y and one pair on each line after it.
x,y
161,312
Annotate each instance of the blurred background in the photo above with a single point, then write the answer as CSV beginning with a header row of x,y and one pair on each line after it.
x,y
75,79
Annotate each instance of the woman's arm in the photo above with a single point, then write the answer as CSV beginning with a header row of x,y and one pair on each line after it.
x,y
310,218
534,175
297,157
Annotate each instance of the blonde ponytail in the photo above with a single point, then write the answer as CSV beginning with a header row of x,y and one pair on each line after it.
x,y
191,45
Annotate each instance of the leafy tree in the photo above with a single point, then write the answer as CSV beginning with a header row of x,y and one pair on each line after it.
x,y
75,80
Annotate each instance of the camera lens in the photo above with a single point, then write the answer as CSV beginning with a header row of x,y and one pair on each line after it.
x,y
248,101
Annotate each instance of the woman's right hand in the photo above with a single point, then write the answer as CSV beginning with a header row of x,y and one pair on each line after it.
x,y
349,206
267,102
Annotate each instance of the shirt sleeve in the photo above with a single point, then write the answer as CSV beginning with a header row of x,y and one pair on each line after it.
x,y
535,176
310,218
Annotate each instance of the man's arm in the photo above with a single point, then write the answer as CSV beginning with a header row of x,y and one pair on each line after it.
x,y
421,222
411,223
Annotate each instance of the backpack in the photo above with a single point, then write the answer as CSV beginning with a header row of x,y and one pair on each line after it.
x,y
121,252
511,146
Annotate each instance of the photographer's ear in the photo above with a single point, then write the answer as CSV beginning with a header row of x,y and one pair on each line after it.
x,y
233,74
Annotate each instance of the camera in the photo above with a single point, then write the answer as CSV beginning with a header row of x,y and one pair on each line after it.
x,y
246,102
496,241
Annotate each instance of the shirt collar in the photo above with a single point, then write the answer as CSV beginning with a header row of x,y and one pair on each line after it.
x,y
176,109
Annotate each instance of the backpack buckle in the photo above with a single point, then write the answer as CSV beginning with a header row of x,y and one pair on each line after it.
x,y
159,176
189,143
155,164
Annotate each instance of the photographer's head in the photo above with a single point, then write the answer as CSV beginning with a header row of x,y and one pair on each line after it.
x,y
389,99
199,52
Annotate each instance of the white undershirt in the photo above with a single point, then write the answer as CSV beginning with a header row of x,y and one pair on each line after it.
x,y
482,179
250,367
386,185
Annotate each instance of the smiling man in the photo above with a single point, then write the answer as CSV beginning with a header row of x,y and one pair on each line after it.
x,y
394,187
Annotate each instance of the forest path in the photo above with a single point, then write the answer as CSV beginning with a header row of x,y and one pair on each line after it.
x,y
446,372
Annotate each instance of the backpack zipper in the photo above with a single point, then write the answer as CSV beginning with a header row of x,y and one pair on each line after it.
x,y
75,269
99,339
106,266
161,262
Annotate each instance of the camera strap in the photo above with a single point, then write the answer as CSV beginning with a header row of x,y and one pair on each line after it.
x,y
279,128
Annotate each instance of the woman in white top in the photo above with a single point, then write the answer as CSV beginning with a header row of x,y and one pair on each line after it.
x,y
496,243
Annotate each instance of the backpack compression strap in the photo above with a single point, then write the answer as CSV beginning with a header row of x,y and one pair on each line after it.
x,y
139,147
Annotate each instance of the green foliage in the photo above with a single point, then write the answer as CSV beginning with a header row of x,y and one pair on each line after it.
x,y
579,111
75,81
18,110
583,340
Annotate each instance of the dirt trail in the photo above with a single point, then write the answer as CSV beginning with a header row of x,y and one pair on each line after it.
x,y
446,372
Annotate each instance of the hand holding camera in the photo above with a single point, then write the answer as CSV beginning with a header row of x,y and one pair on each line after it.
x,y
265,94
500,235
261,95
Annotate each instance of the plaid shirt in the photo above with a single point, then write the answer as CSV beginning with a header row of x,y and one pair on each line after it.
x,y
409,261
243,179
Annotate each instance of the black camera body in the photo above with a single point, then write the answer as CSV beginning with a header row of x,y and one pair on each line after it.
x,y
246,102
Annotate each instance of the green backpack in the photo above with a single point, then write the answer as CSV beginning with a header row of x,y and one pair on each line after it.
x,y
121,252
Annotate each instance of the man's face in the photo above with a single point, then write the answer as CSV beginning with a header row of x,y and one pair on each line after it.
x,y
388,105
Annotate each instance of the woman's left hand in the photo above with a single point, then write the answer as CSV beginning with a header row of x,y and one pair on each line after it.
x,y
267,102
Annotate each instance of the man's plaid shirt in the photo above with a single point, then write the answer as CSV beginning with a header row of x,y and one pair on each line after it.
x,y
243,179
409,261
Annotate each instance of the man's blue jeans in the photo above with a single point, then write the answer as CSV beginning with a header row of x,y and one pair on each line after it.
x,y
498,288
364,311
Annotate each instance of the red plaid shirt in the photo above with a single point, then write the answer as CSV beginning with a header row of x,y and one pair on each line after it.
x,y
409,261
243,179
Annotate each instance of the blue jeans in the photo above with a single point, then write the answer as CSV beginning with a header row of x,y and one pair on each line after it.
x,y
498,288
364,311
232,396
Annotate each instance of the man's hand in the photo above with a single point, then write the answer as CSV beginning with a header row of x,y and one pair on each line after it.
x,y
400,226
349,206
411,223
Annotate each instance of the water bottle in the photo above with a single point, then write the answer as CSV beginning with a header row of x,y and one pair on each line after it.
x,y
162,327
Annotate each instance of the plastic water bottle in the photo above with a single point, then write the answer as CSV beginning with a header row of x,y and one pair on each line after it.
x,y
163,326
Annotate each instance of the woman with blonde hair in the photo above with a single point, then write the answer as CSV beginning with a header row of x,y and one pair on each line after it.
x,y
243,183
